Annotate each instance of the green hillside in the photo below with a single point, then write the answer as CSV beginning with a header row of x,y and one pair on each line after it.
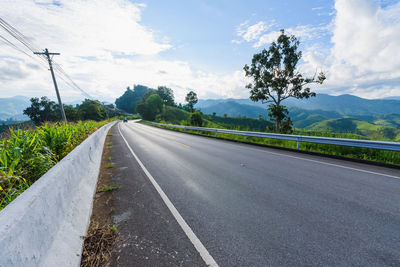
x,y
303,118
240,123
173,115
233,109
364,128
343,104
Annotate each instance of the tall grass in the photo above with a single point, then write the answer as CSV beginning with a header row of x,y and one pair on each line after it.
x,y
26,155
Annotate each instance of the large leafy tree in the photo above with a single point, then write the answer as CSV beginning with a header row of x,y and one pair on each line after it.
x,y
275,78
191,99
150,107
42,110
91,110
129,99
167,95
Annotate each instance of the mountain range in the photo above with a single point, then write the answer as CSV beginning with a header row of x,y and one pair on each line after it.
x,y
12,108
342,104
378,119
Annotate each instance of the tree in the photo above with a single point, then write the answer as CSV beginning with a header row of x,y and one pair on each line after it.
x,y
150,107
275,78
129,99
91,110
192,99
42,110
71,113
196,119
167,95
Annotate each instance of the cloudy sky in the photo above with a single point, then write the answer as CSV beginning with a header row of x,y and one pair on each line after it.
x,y
200,45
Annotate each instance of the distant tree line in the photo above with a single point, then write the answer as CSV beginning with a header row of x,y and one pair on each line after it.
x,y
151,103
44,110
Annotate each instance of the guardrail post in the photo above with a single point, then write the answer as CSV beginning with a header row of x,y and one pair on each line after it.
x,y
216,133
298,143
245,138
198,131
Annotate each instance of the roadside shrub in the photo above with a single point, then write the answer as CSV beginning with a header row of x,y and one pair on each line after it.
x,y
196,119
26,155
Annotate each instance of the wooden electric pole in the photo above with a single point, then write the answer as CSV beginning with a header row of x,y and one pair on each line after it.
x,y
48,54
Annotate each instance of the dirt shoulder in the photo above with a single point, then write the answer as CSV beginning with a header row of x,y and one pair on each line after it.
x,y
102,232
147,234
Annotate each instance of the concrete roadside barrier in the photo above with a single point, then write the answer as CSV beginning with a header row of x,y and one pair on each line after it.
x,y
45,225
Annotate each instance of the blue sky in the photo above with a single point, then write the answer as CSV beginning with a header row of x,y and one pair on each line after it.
x,y
203,31
200,45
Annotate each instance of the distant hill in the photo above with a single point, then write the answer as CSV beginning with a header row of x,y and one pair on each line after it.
x,y
372,125
351,125
342,104
233,109
12,108
301,117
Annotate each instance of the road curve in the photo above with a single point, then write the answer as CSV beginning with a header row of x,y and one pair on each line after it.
x,y
253,206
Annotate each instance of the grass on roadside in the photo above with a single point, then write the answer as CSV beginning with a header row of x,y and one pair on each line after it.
x,y
384,156
108,188
26,155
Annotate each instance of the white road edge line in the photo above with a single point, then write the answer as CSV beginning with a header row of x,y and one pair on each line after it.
x,y
208,259
317,161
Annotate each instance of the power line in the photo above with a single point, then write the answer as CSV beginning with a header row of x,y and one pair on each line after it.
x,y
44,56
9,43
16,34
24,41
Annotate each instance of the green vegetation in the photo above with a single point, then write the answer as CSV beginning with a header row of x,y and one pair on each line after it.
x,y
26,155
191,99
196,119
129,99
150,107
4,129
240,123
364,128
109,165
113,227
44,110
173,115
108,188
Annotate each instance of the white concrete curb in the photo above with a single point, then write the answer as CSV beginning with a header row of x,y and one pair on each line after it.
x,y
45,224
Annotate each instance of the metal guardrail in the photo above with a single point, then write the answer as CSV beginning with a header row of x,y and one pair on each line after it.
x,y
394,146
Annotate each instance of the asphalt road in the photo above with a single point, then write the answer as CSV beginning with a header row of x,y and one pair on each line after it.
x,y
254,206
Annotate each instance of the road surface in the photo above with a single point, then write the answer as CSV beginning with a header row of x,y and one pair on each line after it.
x,y
254,206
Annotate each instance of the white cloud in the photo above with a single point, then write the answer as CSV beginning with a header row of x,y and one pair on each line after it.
x,y
302,32
260,34
362,56
104,47
363,59
253,32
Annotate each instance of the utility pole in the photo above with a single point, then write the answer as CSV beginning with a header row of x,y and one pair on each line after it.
x,y
48,54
